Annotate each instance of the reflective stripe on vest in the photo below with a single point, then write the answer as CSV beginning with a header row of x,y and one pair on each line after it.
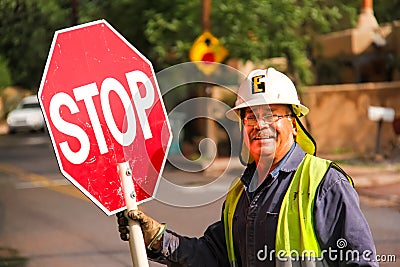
x,y
295,235
232,198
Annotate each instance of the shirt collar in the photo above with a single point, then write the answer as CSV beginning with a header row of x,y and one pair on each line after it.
x,y
283,161
294,159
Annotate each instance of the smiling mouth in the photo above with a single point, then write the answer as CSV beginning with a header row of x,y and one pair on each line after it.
x,y
262,136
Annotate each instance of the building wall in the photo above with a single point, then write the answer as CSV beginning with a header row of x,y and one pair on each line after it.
x,y
338,117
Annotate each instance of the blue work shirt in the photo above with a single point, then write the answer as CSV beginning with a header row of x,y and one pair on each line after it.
x,y
340,226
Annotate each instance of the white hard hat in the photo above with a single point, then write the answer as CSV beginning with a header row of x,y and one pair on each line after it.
x,y
264,87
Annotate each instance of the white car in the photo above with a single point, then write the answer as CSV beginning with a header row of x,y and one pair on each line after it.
x,y
27,116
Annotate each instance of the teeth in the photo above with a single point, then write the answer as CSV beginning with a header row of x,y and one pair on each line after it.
x,y
265,135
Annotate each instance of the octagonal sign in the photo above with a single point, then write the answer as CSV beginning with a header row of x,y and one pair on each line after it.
x,y
102,106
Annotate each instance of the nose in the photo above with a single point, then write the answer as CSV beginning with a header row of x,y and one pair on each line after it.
x,y
262,125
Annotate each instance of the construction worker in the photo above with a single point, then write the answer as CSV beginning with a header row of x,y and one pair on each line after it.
x,y
289,207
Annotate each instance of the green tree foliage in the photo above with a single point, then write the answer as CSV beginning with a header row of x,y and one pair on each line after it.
x,y
285,28
5,76
251,30
164,30
26,28
387,11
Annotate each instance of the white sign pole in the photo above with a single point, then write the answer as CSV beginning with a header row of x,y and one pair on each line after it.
x,y
136,242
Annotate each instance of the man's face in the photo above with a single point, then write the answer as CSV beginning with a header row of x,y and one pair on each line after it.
x,y
269,138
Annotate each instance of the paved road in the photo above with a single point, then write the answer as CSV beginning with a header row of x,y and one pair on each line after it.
x,y
49,223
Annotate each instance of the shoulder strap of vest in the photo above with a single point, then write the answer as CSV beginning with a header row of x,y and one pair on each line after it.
x,y
295,230
232,198
334,165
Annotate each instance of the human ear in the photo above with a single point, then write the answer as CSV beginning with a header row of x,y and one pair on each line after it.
x,y
294,127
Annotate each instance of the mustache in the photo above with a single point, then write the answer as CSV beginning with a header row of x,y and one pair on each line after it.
x,y
263,134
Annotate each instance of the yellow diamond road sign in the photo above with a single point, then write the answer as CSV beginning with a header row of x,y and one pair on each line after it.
x,y
206,50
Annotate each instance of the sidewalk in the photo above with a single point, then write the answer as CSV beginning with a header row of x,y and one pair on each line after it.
x,y
376,179
378,183
370,176
377,186
366,174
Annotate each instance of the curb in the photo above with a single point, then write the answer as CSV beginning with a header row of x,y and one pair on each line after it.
x,y
364,176
369,176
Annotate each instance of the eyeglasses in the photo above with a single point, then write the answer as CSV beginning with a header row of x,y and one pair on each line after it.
x,y
267,119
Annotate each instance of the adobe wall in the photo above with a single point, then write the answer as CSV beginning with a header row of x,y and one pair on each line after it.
x,y
338,117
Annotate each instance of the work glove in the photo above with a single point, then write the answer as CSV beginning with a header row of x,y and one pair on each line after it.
x,y
152,230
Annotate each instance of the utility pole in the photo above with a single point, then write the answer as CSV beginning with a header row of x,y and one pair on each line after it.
x,y
206,8
207,90
74,12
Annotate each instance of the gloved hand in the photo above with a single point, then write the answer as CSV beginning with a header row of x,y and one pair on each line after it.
x,y
152,230
123,224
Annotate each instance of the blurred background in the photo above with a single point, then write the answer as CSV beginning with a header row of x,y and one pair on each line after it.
x,y
343,56
352,46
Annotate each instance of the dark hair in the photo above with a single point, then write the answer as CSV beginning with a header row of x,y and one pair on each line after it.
x,y
242,114
292,110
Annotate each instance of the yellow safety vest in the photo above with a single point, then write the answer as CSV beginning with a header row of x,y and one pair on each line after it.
x,y
295,235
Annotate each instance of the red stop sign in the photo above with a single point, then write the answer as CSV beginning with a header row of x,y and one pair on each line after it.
x,y
102,107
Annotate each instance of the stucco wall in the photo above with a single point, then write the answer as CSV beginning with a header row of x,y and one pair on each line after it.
x,y
338,117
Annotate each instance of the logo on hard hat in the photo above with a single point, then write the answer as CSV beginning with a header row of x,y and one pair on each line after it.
x,y
258,84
